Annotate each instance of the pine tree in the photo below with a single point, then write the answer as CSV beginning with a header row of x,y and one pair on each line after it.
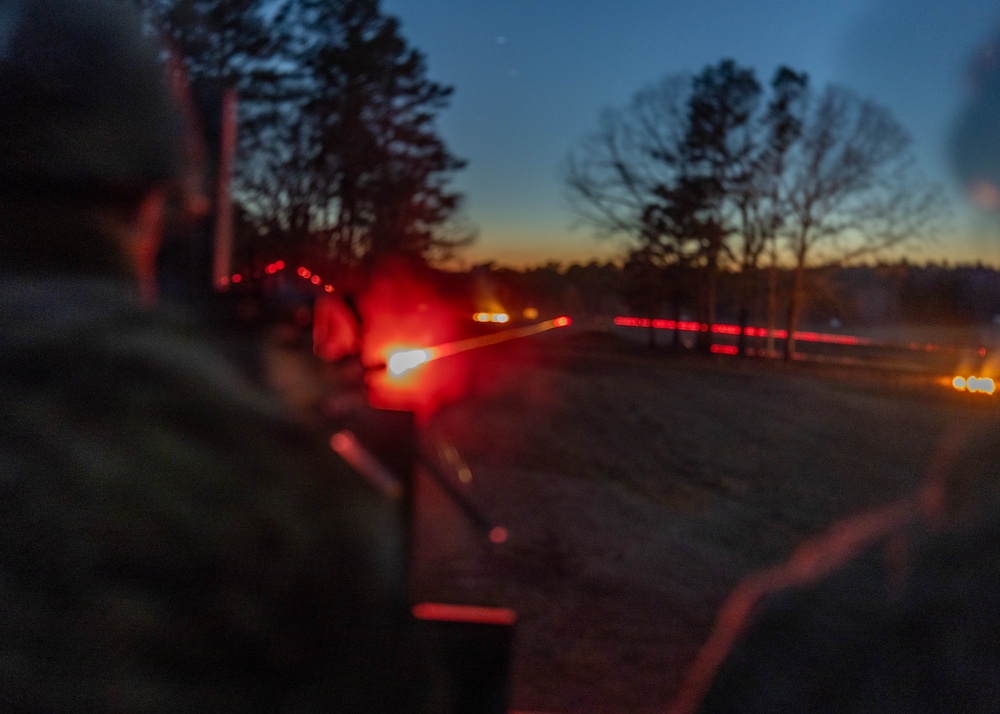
x,y
339,153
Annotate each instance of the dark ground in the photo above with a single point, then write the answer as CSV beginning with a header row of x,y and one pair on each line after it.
x,y
638,487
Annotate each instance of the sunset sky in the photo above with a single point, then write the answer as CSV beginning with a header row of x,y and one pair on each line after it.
x,y
532,76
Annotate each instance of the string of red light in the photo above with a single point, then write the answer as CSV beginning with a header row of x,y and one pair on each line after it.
x,y
723,329
749,331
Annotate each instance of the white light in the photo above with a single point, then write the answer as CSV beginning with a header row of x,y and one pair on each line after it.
x,y
401,362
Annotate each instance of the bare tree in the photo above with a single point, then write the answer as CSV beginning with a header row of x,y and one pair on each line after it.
x,y
851,189
612,174
682,172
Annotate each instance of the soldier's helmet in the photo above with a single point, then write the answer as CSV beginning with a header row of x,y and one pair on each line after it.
x,y
86,107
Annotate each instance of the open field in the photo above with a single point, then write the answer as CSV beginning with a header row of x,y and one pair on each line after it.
x,y
638,487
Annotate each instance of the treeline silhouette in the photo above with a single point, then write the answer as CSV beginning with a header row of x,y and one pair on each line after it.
x,y
880,293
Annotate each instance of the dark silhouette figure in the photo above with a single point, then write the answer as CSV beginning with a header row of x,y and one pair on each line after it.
x,y
170,541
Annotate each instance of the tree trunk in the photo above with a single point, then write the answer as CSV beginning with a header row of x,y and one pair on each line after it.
x,y
677,323
795,307
772,307
741,338
748,302
704,338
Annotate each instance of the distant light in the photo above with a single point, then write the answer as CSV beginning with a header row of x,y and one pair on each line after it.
x,y
562,322
530,313
305,273
224,281
481,317
328,288
500,317
279,265
975,385
724,349
983,385
985,194
237,278
726,329
316,280
402,362
498,535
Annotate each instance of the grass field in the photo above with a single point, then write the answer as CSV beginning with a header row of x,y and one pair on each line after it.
x,y
638,487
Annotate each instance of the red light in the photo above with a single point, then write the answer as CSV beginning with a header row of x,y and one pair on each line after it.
x,y
303,272
562,322
726,329
498,535
464,613
328,288
237,278
403,314
280,265
270,270
724,349
316,280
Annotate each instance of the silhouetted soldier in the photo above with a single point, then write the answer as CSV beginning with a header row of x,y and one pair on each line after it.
x,y
169,540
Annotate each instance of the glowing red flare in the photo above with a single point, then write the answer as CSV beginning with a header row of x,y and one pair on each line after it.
x,y
562,322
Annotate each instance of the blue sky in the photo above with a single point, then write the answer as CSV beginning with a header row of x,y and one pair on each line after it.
x,y
532,76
